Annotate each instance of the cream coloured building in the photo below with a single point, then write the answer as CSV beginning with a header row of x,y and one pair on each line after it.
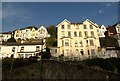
x,y
31,33
25,33
78,40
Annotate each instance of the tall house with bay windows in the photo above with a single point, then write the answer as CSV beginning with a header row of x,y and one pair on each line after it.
x,y
78,40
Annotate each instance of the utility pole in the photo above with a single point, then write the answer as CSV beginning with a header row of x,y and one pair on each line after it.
x,y
41,58
11,66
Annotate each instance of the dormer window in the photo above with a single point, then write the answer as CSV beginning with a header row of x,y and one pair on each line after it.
x,y
68,26
91,27
85,27
62,26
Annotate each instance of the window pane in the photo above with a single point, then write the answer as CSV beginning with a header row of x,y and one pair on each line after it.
x,y
76,44
91,27
81,44
80,34
62,26
62,43
92,34
85,27
82,53
66,42
69,33
92,51
91,43
68,26
86,34
75,34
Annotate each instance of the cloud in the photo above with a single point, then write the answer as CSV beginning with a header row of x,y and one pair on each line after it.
x,y
14,12
14,15
108,4
101,11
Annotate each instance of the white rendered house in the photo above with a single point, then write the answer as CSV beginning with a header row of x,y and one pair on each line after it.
x,y
117,27
42,32
24,50
101,31
4,36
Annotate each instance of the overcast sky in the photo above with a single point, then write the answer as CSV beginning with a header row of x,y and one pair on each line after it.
x,y
22,14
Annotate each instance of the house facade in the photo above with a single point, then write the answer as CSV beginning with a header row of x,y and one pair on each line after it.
x,y
79,40
42,32
108,52
101,31
114,31
117,27
31,33
24,50
25,33
4,36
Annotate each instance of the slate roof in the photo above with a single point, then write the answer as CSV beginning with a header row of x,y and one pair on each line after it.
x,y
6,33
29,27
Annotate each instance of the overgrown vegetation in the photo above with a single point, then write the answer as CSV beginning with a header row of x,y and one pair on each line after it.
x,y
6,62
11,40
52,40
111,64
46,55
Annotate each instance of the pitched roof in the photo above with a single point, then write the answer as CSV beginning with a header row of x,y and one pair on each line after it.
x,y
76,23
29,27
116,24
91,22
19,44
6,32
65,20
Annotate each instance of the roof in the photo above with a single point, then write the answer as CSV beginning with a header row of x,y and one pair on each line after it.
x,y
65,20
19,44
112,29
101,26
76,23
29,27
91,22
116,24
28,51
6,33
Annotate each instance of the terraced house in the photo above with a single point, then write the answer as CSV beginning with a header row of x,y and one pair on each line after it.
x,y
78,40
30,32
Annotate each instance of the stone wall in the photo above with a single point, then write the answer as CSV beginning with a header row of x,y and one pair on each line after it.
x,y
58,70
